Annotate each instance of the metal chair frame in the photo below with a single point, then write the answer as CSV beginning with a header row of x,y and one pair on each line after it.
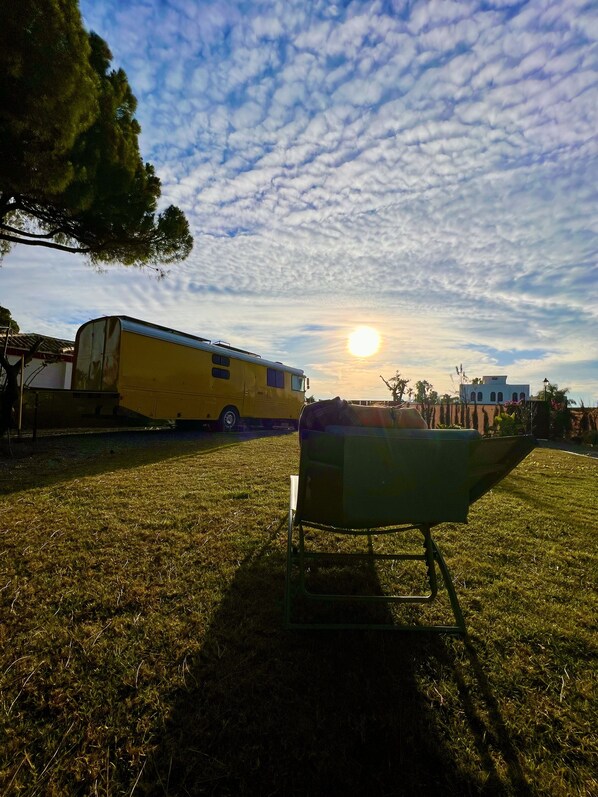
x,y
300,557
389,480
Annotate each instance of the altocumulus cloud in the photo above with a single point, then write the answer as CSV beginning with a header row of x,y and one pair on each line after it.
x,y
429,167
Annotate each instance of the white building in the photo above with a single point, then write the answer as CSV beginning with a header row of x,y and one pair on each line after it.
x,y
493,390
50,366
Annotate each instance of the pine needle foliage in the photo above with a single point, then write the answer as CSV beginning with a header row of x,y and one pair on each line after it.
x,y
71,174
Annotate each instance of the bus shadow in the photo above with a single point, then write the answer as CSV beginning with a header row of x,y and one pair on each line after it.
x,y
306,713
54,459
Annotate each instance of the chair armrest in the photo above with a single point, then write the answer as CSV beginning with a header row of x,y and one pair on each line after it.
x,y
294,493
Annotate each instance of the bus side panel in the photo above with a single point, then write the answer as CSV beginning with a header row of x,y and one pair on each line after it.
x,y
263,401
162,379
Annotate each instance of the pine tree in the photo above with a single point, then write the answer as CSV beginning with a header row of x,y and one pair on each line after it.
x,y
71,175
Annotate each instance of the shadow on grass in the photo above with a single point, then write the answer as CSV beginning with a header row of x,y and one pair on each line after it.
x,y
270,712
53,459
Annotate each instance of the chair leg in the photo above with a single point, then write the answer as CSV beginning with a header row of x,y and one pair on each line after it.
x,y
450,588
289,567
431,556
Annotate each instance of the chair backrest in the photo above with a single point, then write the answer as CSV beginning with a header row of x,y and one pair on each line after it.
x,y
361,478
495,458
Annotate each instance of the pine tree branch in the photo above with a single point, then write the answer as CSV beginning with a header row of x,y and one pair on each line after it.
x,y
18,231
47,244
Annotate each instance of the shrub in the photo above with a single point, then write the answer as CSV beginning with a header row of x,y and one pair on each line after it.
x,y
507,424
590,437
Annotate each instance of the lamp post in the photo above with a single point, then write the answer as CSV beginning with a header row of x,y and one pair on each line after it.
x,y
546,383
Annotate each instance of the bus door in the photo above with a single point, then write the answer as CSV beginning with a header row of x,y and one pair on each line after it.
x,y
255,394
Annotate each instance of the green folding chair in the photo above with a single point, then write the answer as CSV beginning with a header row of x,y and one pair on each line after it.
x,y
371,481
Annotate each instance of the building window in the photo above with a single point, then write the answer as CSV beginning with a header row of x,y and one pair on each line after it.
x,y
472,395
500,398
522,397
297,382
479,395
220,359
220,373
493,395
275,378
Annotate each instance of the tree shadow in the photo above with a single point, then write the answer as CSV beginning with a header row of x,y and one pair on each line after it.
x,y
266,711
54,459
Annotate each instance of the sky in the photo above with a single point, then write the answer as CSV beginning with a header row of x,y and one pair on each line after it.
x,y
428,169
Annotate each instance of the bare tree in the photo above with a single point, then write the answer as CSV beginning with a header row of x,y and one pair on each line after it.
x,y
397,386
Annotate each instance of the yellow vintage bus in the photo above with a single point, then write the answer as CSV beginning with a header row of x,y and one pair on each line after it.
x,y
161,373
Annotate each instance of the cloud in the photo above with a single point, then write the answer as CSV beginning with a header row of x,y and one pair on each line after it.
x,y
429,166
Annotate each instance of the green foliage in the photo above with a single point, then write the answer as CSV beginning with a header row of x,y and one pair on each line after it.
x,y
48,91
553,393
507,424
486,421
71,175
397,385
561,421
474,417
425,393
426,397
6,320
516,417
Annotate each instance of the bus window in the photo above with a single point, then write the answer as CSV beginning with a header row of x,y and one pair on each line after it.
x,y
275,378
220,373
220,359
297,382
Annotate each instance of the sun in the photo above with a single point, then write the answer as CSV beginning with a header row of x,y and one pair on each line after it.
x,y
363,342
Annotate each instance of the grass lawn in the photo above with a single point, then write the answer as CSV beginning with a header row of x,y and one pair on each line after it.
x,y
142,649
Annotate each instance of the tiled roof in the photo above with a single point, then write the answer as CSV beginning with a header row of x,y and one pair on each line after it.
x,y
24,342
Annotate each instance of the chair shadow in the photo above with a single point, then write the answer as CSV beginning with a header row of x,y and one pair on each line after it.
x,y
272,712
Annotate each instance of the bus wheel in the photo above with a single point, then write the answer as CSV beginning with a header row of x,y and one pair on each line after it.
x,y
229,420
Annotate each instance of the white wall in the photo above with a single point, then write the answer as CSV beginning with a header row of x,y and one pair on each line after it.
x,y
55,375
486,391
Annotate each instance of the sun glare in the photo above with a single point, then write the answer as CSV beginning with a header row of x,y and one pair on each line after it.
x,y
363,342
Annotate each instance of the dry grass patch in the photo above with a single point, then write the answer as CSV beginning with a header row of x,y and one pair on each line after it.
x,y
143,651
